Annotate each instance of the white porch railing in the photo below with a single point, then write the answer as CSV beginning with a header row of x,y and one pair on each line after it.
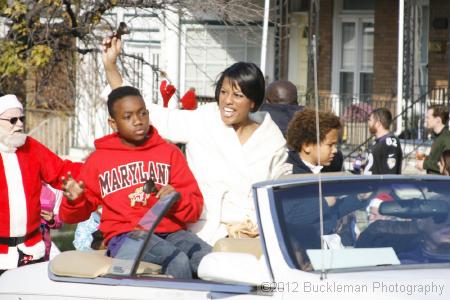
x,y
54,132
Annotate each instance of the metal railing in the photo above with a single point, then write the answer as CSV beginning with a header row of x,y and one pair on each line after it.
x,y
354,114
201,100
356,135
53,129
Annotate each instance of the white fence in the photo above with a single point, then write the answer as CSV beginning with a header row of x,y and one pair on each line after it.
x,y
51,129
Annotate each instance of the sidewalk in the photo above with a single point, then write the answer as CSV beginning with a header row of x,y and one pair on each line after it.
x,y
409,168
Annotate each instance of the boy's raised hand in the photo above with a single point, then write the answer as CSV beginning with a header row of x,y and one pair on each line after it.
x,y
71,188
110,53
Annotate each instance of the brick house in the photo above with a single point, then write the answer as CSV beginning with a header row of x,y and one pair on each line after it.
x,y
357,58
358,51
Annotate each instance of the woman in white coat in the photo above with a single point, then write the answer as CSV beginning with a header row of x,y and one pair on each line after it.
x,y
229,145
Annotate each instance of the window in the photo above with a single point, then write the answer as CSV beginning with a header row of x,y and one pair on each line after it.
x,y
356,63
135,70
353,48
358,5
210,49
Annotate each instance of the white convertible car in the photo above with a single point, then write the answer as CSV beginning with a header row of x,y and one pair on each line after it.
x,y
370,237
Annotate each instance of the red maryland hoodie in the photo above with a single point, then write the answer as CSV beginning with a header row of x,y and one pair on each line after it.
x,y
114,175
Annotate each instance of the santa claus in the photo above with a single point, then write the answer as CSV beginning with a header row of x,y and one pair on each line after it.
x,y
24,165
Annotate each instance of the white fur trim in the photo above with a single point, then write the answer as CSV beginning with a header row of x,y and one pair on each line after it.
x,y
9,260
58,195
16,195
37,250
8,102
4,148
375,202
209,227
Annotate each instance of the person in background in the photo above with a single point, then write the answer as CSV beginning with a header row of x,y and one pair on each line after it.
x,y
385,156
24,165
444,163
436,121
229,144
281,103
84,233
50,201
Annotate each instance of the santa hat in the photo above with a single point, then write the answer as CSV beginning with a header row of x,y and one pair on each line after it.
x,y
189,100
8,102
380,198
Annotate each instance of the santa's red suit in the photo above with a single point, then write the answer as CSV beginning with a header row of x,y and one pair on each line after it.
x,y
22,171
21,176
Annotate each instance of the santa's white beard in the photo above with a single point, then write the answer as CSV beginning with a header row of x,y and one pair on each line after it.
x,y
10,141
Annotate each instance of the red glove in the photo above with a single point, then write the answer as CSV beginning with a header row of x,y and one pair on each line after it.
x,y
189,100
166,91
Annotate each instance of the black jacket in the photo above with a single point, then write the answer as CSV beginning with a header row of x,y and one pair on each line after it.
x,y
441,142
385,156
281,114
299,166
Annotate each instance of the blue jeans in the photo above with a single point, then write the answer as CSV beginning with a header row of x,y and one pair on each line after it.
x,y
179,253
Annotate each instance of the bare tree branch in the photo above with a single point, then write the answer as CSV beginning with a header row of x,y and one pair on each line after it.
x,y
44,32
71,13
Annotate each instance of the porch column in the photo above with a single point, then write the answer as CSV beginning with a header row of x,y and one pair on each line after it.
x,y
264,37
448,66
401,20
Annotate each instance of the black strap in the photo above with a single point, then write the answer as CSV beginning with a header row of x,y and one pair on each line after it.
x,y
14,241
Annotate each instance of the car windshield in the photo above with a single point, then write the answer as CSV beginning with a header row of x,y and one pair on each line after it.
x,y
366,222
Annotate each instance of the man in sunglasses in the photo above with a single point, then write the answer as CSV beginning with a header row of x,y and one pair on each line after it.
x,y
24,165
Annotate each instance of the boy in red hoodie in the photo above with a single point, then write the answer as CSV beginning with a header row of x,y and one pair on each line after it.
x,y
113,176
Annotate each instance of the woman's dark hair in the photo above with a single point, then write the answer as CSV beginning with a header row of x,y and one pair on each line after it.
x,y
446,158
248,77
120,93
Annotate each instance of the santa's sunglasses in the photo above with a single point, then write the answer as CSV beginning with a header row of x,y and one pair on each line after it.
x,y
14,120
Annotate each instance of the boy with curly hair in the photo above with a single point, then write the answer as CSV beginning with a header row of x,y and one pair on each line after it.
x,y
306,155
302,141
